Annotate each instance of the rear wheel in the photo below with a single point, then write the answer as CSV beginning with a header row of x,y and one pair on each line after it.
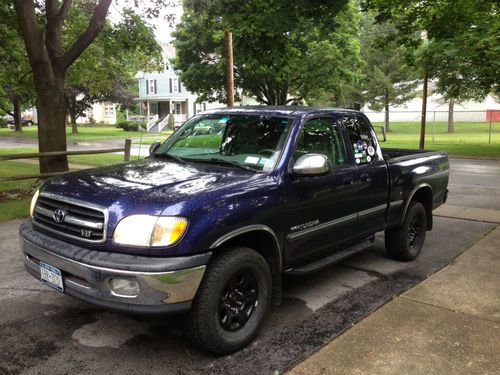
x,y
231,302
406,241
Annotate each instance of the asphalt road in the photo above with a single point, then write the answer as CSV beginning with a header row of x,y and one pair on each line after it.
x,y
44,331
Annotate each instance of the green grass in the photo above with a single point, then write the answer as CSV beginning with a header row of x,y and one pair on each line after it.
x,y
85,134
469,139
12,210
11,168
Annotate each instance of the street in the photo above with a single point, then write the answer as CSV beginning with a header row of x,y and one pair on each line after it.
x,y
45,331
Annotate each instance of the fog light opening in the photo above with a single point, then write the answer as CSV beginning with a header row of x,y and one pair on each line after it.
x,y
126,288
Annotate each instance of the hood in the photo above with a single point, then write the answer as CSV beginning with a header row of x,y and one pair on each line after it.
x,y
147,186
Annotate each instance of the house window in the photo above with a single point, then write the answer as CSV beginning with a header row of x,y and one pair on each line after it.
x,y
166,67
109,110
178,108
151,86
175,85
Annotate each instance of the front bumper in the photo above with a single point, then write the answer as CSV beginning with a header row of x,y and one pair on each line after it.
x,y
166,285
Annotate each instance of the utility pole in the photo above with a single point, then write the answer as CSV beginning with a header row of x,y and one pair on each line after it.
x,y
229,68
424,112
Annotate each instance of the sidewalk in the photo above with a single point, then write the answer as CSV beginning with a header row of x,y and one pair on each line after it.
x,y
448,324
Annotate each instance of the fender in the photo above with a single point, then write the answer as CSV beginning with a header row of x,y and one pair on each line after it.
x,y
251,228
410,196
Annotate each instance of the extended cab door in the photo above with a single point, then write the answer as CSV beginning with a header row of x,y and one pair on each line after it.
x,y
321,209
371,174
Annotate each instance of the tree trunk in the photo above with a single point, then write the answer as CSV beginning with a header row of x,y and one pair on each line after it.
x,y
424,112
18,122
451,125
51,124
386,105
74,126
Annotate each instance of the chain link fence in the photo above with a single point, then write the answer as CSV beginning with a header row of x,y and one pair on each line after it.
x,y
468,127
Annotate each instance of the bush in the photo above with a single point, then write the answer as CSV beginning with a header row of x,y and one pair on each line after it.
x,y
128,126
3,123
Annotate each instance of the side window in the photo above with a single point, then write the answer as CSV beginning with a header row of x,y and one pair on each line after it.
x,y
363,144
321,136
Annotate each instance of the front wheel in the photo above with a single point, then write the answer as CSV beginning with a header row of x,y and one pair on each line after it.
x,y
231,302
406,241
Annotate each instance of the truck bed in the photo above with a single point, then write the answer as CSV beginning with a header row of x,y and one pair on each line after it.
x,y
410,170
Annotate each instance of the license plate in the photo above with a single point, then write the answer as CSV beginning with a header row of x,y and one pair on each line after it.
x,y
51,276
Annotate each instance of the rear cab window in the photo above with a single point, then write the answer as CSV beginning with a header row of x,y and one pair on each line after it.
x,y
363,142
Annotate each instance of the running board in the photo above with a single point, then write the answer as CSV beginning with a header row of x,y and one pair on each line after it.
x,y
331,259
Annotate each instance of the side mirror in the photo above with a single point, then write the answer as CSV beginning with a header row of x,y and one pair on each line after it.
x,y
154,146
311,164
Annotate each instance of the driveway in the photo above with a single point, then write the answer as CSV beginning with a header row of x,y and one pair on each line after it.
x,y
44,331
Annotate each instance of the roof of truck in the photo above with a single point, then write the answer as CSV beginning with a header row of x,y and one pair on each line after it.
x,y
279,110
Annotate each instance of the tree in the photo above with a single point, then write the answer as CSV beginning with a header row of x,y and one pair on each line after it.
x,y
388,79
16,85
460,46
42,25
283,52
99,75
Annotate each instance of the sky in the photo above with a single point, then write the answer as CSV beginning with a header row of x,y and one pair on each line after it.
x,y
162,28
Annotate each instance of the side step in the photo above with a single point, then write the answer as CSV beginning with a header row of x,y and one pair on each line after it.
x,y
331,259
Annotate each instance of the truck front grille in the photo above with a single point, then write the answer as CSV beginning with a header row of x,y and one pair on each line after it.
x,y
70,218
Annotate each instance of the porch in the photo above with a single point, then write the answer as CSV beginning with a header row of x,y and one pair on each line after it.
x,y
156,112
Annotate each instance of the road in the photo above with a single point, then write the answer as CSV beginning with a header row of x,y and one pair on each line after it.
x,y
44,331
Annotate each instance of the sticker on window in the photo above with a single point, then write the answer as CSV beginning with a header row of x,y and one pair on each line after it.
x,y
252,159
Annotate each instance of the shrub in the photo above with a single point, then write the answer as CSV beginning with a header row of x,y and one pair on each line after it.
x,y
128,126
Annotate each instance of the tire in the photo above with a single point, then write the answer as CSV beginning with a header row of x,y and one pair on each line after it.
x,y
406,241
236,286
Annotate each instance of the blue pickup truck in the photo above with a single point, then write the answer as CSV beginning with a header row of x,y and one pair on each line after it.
x,y
210,221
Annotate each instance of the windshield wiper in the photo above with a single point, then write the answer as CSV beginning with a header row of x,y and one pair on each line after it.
x,y
169,156
226,162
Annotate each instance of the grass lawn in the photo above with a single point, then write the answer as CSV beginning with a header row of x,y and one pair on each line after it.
x,y
12,209
469,139
85,134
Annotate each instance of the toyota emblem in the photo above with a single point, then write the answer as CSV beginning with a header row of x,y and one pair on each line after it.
x,y
59,215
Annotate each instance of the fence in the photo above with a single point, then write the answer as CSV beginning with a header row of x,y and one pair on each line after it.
x,y
125,150
479,127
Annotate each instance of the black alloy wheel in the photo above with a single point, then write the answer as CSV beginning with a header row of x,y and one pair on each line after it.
x,y
239,300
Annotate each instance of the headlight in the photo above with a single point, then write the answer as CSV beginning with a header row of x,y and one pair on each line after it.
x,y
33,202
146,230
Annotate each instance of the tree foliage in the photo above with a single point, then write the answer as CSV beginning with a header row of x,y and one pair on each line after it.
x,y
52,48
388,80
16,84
283,52
460,38
106,69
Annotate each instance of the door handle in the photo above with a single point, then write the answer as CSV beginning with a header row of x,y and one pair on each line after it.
x,y
348,181
364,177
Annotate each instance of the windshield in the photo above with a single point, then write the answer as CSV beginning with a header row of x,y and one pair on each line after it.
x,y
249,141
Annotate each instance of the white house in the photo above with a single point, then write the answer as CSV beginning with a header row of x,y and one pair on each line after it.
x,y
104,112
163,93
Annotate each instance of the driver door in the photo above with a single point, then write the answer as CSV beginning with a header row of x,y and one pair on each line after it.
x,y
321,209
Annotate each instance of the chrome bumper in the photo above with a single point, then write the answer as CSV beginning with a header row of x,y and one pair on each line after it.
x,y
160,292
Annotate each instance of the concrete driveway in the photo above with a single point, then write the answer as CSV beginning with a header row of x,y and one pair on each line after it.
x,y
44,331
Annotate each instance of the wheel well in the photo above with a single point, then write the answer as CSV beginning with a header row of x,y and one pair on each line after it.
x,y
265,244
424,196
